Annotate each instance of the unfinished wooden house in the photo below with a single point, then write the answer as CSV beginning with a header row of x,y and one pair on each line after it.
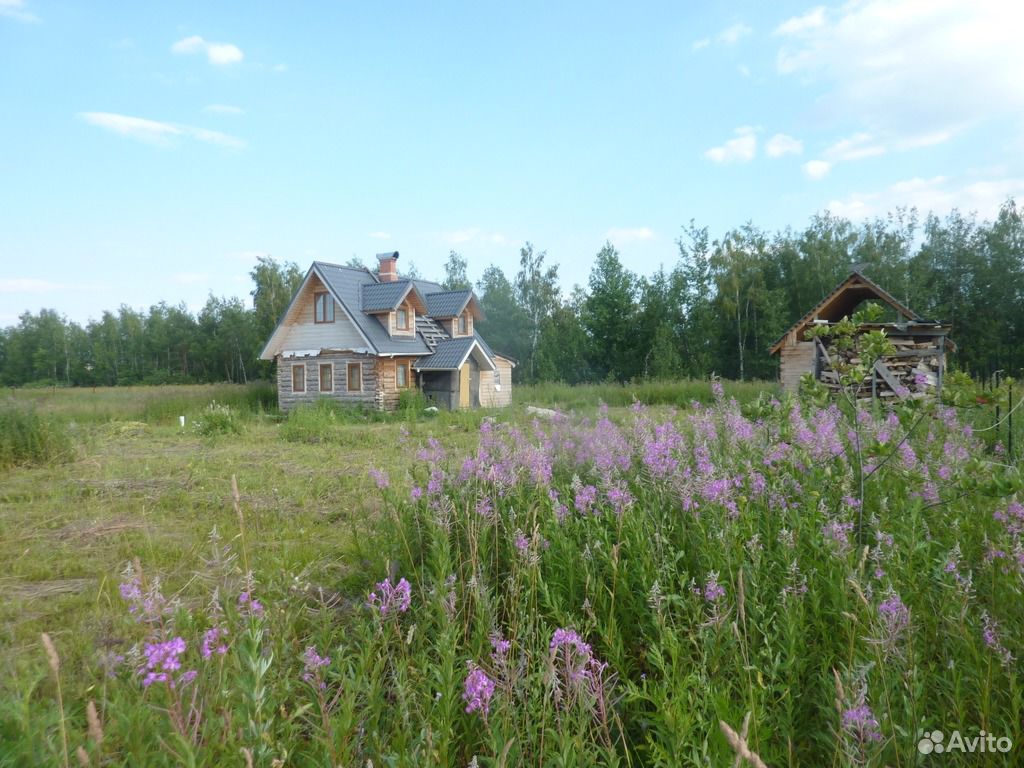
x,y
359,337
914,370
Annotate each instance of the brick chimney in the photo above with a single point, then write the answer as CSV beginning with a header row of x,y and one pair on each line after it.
x,y
387,269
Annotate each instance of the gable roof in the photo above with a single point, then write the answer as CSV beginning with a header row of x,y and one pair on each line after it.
x,y
841,302
448,303
359,295
451,354
386,297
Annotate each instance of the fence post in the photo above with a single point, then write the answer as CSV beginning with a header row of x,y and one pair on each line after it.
x,y
1009,419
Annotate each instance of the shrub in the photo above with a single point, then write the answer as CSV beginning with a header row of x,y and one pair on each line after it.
x,y
217,419
26,437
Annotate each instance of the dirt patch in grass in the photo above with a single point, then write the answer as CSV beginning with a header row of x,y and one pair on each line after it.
x,y
91,529
34,590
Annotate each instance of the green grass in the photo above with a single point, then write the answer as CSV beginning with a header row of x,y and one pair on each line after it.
x,y
153,405
676,393
487,550
27,437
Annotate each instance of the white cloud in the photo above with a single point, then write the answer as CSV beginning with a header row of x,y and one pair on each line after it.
x,y
621,236
856,147
728,36
813,19
223,109
743,69
782,144
380,235
280,68
156,132
741,149
817,169
939,194
909,66
15,9
27,285
735,33
216,53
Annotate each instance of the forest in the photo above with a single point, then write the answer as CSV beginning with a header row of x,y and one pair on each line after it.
x,y
714,310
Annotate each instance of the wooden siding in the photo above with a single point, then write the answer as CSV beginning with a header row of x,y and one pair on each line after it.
x,y
302,333
795,359
489,396
392,324
287,399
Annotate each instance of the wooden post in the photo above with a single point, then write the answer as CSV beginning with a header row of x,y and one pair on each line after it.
x,y
1009,426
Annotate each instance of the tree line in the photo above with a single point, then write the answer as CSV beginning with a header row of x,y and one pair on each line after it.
x,y
716,309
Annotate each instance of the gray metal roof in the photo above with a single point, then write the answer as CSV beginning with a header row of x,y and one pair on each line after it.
x,y
347,285
448,356
448,303
384,297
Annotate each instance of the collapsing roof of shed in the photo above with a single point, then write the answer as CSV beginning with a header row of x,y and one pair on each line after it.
x,y
841,302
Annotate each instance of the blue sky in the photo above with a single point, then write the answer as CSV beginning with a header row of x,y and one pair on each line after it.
x,y
149,151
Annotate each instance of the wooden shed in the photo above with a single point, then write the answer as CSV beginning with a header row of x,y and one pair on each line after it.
x,y
915,369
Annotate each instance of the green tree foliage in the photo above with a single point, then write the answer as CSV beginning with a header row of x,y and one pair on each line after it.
x,y
716,310
274,285
455,277
609,317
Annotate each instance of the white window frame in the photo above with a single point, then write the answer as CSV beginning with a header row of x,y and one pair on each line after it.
x,y
328,307
348,377
303,379
320,376
398,325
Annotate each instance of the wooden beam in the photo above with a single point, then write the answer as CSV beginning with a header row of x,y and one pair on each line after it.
x,y
889,379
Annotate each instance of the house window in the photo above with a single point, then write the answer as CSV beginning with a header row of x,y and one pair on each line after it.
x,y
327,377
463,330
323,307
402,319
298,378
355,377
402,375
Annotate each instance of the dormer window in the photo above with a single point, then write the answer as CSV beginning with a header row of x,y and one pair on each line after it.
x,y
402,319
463,325
323,307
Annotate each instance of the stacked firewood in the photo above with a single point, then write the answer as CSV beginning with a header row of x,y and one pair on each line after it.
x,y
911,371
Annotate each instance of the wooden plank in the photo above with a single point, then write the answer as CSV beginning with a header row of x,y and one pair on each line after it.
x,y
889,379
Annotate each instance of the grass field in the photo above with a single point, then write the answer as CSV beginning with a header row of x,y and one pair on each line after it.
x,y
597,589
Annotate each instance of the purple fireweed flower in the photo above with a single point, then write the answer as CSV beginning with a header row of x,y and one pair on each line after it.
x,y
585,498
249,605
391,598
990,634
312,663
713,591
860,722
838,534
188,677
380,477
212,642
920,380
485,509
620,499
522,542
161,660
416,493
479,689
